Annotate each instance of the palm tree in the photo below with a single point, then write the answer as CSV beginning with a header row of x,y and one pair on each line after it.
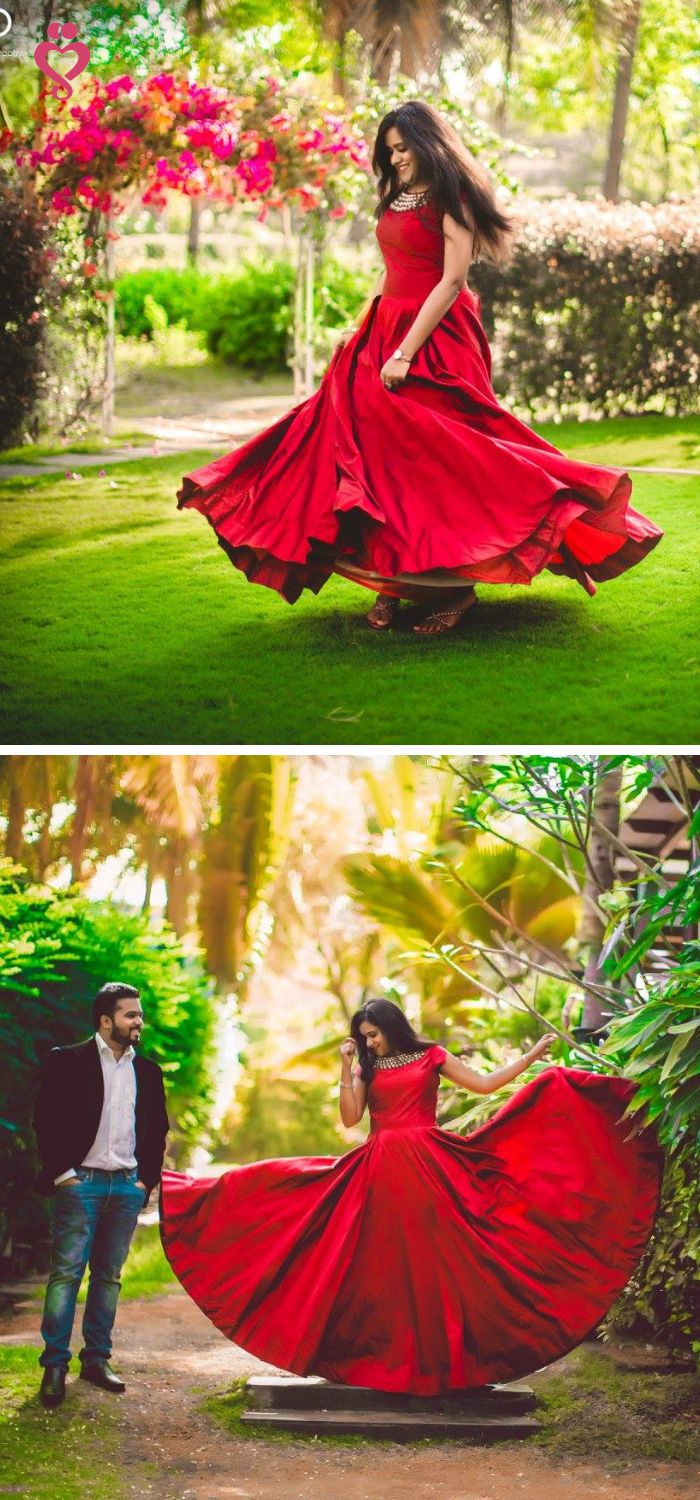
x,y
171,794
30,788
438,882
242,848
411,32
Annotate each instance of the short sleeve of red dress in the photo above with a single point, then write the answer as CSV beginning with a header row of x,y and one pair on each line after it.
x,y
439,1055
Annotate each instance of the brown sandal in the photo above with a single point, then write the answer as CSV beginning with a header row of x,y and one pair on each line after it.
x,y
445,619
383,613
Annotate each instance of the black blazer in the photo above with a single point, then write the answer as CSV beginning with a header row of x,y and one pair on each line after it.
x,y
68,1108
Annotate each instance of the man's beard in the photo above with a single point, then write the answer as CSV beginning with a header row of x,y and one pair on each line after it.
x,y
123,1038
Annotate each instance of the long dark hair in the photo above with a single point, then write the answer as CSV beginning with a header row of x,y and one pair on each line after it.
x,y
461,187
391,1021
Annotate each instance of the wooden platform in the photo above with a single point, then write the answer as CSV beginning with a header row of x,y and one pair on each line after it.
x,y
285,1403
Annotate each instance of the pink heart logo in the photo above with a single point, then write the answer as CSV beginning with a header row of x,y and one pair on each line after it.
x,y
56,31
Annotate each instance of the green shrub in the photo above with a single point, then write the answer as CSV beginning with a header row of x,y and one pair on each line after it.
x,y
662,1298
247,318
598,311
340,293
281,1117
177,292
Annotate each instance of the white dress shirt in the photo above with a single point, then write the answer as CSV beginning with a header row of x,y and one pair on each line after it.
x,y
115,1142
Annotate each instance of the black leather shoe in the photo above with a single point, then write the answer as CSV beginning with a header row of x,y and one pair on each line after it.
x,y
53,1386
101,1374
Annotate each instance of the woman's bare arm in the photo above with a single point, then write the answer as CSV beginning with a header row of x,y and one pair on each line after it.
x,y
458,253
487,1083
353,1090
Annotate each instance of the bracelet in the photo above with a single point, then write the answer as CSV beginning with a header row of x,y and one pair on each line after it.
x,y
346,1085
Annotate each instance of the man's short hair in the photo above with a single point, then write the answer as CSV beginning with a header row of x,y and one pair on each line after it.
x,y
107,999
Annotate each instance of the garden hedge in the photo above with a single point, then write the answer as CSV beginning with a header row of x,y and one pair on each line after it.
x,y
599,310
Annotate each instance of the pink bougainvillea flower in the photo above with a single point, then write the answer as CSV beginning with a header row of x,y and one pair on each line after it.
x,y
281,122
122,85
163,83
338,212
89,268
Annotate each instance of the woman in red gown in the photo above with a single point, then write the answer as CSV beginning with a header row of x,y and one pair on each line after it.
x,y
403,472
424,1261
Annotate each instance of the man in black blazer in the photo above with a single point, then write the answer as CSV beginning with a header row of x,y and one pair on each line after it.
x,y
100,1124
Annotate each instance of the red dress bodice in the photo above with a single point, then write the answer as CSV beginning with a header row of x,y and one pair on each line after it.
x,y
405,1097
413,247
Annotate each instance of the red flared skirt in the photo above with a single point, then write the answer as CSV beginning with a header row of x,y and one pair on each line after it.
x,y
424,1261
434,482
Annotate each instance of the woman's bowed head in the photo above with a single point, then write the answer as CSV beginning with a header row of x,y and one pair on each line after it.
x,y
379,1029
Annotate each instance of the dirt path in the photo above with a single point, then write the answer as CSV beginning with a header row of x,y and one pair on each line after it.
x,y
172,1359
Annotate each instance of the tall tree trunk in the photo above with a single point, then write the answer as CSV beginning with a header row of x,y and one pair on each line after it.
x,y
110,332
193,232
179,884
147,889
629,30
504,98
16,811
85,788
606,806
383,54
336,23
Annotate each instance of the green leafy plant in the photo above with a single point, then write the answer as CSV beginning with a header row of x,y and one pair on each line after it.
x,y
662,1298
179,293
247,318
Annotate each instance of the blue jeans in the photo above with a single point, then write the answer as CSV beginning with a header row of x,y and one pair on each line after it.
x,y
94,1220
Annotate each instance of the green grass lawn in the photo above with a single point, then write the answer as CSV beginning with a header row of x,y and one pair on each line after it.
x,y
72,1452
591,1409
33,453
124,622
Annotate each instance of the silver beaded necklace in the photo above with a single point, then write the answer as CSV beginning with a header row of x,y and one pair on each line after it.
x,y
408,200
398,1060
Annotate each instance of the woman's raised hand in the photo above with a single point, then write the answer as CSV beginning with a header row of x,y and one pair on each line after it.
x,y
544,1044
348,1049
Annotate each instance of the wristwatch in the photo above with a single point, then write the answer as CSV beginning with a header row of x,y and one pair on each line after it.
x,y
399,354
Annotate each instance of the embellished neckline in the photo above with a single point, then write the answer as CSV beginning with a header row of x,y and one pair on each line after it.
x,y
399,1059
406,200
